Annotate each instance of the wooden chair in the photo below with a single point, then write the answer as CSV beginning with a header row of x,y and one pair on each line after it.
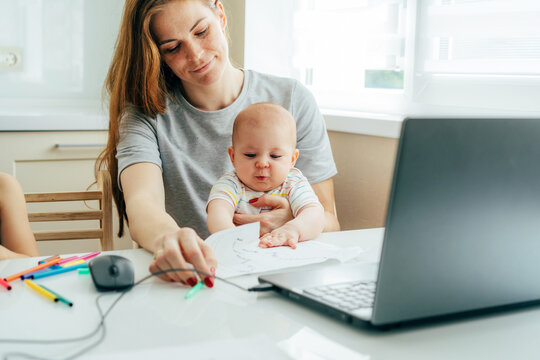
x,y
104,214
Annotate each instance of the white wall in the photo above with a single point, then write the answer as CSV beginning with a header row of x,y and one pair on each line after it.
x,y
66,48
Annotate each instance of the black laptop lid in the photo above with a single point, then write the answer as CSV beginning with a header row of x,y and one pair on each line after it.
x,y
463,225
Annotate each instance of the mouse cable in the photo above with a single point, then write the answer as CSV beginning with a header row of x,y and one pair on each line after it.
x,y
103,316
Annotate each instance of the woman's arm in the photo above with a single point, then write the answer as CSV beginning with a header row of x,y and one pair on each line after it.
x,y
16,234
325,193
155,230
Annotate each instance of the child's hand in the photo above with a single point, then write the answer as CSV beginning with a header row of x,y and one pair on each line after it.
x,y
283,236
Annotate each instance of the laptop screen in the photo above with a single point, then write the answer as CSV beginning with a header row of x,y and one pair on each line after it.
x,y
463,224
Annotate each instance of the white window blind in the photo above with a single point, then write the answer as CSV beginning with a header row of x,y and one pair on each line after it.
x,y
477,57
428,57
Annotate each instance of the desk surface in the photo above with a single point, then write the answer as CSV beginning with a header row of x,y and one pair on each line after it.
x,y
155,314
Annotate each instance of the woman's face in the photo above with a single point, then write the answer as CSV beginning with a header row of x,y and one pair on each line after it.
x,y
191,40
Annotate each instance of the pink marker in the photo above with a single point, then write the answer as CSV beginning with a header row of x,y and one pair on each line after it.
x,y
91,255
69,259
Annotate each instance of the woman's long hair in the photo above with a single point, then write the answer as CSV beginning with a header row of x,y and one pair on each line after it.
x,y
136,77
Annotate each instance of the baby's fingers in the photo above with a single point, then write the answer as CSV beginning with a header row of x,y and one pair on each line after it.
x,y
292,242
265,241
272,240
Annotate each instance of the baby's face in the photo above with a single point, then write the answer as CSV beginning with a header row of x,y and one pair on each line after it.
x,y
262,156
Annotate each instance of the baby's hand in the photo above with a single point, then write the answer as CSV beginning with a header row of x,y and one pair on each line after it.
x,y
283,236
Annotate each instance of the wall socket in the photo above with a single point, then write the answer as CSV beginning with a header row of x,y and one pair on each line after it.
x,y
11,59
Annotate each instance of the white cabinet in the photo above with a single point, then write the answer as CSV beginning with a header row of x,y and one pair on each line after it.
x,y
51,162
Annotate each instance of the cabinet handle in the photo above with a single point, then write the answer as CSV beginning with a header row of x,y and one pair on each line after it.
x,y
71,146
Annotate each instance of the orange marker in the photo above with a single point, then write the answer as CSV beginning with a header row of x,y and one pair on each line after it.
x,y
39,267
48,259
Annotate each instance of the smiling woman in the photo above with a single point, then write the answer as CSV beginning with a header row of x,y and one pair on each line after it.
x,y
174,95
197,54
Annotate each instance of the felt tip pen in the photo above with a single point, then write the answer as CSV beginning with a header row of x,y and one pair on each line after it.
x,y
195,289
60,297
29,275
57,271
69,259
48,259
76,262
5,284
91,255
41,290
35,268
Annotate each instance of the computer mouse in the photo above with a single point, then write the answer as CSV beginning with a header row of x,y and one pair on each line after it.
x,y
111,272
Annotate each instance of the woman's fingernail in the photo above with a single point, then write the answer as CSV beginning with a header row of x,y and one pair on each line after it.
x,y
213,271
251,201
209,282
192,281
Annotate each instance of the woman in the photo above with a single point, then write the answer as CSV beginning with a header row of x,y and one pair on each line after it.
x,y
173,98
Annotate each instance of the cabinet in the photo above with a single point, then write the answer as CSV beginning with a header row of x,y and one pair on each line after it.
x,y
51,161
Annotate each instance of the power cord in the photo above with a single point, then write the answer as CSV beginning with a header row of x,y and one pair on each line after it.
x,y
103,316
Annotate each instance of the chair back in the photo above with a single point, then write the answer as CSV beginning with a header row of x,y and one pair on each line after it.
x,y
104,214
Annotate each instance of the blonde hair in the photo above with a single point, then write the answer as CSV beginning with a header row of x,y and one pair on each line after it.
x,y
136,77
258,114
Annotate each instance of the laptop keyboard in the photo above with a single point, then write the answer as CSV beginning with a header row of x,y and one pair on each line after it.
x,y
348,296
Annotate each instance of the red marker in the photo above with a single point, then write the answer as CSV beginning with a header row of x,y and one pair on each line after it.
x,y
5,284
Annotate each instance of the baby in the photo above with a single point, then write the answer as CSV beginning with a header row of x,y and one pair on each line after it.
x,y
263,154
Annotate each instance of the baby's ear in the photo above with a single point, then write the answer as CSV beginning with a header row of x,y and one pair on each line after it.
x,y
295,156
230,150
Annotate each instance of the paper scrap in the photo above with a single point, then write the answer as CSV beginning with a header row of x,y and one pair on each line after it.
x,y
307,344
238,252
254,347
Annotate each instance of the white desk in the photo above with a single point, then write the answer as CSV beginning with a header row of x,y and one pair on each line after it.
x,y
155,314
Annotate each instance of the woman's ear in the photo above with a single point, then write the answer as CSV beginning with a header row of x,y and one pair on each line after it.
x,y
295,156
230,150
221,14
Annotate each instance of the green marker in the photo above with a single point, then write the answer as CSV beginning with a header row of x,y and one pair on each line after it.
x,y
84,271
195,289
60,297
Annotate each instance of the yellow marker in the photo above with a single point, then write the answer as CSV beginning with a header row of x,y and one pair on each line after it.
x,y
41,290
76,262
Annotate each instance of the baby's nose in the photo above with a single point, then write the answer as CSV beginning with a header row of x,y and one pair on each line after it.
x,y
262,163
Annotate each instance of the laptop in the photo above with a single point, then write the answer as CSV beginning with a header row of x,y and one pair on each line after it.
x,y
462,229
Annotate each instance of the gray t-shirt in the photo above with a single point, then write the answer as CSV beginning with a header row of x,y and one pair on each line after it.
x,y
190,145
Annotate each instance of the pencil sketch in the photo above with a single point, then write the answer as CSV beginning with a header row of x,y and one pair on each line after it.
x,y
238,253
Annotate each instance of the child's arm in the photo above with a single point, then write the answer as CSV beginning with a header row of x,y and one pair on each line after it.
x,y
307,225
219,215
16,235
5,253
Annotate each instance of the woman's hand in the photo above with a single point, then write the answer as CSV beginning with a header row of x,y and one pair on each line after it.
x,y
178,250
270,220
155,230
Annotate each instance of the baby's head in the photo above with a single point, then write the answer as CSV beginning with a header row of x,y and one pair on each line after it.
x,y
263,147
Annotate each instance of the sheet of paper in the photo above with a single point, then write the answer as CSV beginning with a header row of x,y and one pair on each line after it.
x,y
255,347
307,344
238,252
